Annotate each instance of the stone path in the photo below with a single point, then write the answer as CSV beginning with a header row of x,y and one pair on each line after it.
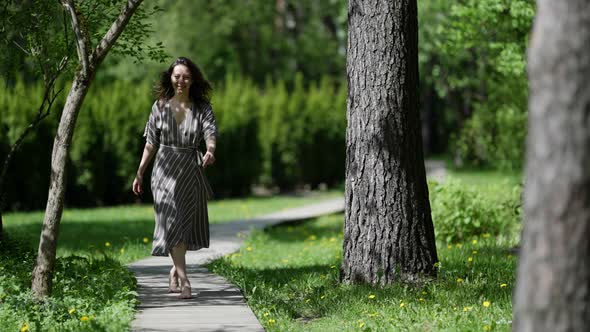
x,y
219,306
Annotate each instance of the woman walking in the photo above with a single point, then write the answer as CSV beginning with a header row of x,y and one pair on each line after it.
x,y
180,117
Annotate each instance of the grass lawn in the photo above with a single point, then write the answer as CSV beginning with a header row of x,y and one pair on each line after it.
x,y
93,290
289,274
126,231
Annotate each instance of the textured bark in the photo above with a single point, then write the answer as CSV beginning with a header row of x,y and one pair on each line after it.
x,y
388,231
553,286
43,272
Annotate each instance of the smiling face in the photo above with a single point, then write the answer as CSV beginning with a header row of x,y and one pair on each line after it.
x,y
181,79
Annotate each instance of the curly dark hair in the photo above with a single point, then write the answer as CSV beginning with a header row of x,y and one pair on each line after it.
x,y
199,92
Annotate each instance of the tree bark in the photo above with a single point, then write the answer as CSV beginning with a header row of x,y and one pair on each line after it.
x,y
43,271
388,230
553,285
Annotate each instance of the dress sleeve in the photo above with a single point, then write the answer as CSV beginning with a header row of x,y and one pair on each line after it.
x,y
209,123
153,127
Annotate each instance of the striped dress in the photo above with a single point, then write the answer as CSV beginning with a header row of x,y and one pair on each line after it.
x,y
179,186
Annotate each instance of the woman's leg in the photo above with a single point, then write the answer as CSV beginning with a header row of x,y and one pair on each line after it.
x,y
178,257
173,280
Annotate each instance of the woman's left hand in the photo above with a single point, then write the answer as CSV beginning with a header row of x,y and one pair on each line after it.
x,y
208,159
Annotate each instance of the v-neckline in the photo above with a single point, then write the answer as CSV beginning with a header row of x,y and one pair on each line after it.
x,y
178,125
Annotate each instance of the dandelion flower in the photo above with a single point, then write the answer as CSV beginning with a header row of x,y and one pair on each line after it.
x,y
503,285
107,244
249,248
372,296
71,311
145,240
486,235
470,259
122,250
421,299
401,305
266,314
361,324
424,293
474,252
467,309
271,321
487,328
486,303
474,241
25,327
458,245
84,318
459,280
449,246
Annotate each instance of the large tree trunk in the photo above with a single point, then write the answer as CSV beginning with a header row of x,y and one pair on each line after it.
x,y
42,274
553,288
388,231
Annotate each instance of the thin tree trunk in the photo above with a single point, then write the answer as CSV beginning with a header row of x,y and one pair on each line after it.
x,y
89,61
42,274
553,286
388,230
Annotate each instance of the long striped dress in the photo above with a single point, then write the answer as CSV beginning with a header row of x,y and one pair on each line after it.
x,y
179,186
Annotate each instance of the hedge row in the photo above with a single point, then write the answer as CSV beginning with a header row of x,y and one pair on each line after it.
x,y
272,135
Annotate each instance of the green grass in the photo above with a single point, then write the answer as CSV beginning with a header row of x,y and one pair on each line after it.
x,y
93,290
289,275
487,180
126,231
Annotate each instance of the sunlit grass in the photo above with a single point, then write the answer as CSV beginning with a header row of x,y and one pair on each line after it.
x,y
289,275
125,232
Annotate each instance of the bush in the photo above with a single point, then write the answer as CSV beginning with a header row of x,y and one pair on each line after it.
x,y
88,294
460,213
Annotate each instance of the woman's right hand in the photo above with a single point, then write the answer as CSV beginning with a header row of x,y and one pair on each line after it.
x,y
137,187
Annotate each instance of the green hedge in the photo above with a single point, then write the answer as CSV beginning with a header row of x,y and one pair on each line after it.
x,y
275,135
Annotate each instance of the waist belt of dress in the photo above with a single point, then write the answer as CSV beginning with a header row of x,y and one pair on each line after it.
x,y
199,156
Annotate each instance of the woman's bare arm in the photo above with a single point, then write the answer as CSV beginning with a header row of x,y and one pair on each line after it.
x,y
148,153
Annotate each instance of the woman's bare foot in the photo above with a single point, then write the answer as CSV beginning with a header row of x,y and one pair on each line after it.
x,y
173,281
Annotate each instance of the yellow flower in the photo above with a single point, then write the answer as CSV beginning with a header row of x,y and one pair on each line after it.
x,y
459,280
503,285
332,239
25,327
486,303
84,318
474,241
474,252
266,314
486,235
322,297
271,321
487,328
107,244
424,293
467,308
458,245
122,250
449,246
373,315
312,237
372,296
470,259
421,299
249,248
401,305
361,324
285,260
145,240
71,311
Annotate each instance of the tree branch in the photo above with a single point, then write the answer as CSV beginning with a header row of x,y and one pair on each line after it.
x,y
115,30
81,40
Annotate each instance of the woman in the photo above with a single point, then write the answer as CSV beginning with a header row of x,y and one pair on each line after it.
x,y
180,117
